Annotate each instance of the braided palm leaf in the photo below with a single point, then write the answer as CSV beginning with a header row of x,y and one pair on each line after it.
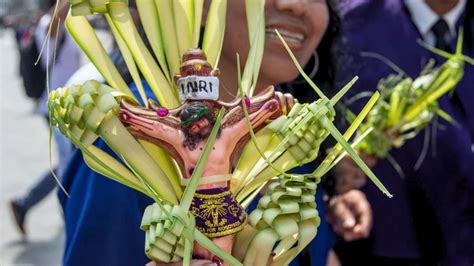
x,y
83,113
296,141
408,106
164,228
285,216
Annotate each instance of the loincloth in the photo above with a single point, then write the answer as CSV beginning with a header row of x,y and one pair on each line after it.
x,y
217,213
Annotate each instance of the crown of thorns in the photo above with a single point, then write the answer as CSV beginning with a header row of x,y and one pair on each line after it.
x,y
193,112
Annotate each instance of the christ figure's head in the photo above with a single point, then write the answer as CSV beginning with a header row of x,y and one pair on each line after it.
x,y
197,120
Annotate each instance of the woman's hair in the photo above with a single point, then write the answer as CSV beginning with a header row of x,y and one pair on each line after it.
x,y
329,50
468,38
330,53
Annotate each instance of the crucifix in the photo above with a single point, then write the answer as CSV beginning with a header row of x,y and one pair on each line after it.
x,y
183,133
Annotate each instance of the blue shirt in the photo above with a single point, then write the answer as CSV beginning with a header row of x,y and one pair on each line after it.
x,y
102,217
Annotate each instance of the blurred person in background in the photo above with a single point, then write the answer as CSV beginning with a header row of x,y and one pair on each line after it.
x,y
67,61
430,220
23,19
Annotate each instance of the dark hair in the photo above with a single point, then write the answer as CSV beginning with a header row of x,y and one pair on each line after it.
x,y
330,53
330,49
192,112
468,38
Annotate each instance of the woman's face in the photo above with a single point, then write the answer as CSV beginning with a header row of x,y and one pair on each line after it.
x,y
302,23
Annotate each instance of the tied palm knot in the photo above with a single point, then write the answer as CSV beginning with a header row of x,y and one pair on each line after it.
x,y
165,228
285,216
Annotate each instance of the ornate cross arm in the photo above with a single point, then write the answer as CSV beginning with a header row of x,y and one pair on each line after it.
x,y
148,123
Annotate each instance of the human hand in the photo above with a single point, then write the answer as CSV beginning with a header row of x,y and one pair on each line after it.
x,y
349,176
350,215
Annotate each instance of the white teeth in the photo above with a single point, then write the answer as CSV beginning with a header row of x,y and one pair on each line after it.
x,y
287,35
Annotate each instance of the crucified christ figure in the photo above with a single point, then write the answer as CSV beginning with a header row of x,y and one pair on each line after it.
x,y
183,133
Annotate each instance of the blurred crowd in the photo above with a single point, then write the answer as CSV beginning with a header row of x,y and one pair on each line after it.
x,y
430,219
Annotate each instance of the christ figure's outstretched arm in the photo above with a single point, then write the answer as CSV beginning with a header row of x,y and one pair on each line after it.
x,y
146,124
257,117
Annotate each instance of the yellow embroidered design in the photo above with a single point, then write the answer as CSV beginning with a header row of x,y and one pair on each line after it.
x,y
217,214
214,208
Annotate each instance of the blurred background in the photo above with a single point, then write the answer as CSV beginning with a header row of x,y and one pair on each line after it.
x,y
45,239
44,242
19,169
